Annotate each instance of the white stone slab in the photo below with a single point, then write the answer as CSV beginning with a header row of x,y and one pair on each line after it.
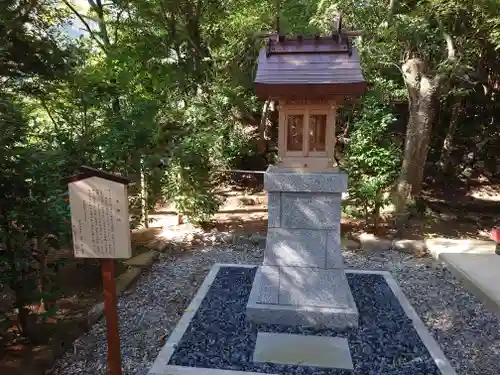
x,y
310,210
441,245
181,370
289,179
298,296
300,286
274,210
306,316
480,273
267,278
334,257
295,248
288,349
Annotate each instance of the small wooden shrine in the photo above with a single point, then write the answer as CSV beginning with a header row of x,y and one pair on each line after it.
x,y
310,77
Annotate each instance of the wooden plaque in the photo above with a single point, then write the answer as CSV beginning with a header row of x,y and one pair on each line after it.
x,y
99,218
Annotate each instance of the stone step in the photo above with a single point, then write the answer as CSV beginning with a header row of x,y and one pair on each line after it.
x,y
303,248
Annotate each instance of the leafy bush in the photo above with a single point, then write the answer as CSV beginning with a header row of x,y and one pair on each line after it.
x,y
33,213
372,159
209,142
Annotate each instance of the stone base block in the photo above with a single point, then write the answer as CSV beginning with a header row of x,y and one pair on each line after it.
x,y
303,248
301,296
294,180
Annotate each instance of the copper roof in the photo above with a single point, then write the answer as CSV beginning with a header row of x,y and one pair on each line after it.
x,y
309,68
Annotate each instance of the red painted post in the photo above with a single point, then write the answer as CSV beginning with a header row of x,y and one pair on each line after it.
x,y
495,236
111,313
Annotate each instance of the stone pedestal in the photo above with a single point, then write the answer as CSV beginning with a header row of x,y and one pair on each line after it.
x,y
302,280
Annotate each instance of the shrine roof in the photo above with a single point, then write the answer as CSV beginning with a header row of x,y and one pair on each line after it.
x,y
309,67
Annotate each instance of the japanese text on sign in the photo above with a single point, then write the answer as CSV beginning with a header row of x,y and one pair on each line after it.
x,y
99,218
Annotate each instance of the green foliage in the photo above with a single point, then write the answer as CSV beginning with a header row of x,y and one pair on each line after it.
x,y
372,160
33,214
162,92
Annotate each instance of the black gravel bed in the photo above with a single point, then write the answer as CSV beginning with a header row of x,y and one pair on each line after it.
x,y
385,342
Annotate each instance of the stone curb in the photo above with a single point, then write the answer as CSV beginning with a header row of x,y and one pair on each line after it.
x,y
136,264
417,248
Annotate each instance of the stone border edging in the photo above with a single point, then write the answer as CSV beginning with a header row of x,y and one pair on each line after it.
x,y
160,365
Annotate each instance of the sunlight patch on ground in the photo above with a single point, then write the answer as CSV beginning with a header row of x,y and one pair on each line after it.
x,y
486,193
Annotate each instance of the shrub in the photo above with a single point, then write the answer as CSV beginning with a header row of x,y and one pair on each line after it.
x,y
372,159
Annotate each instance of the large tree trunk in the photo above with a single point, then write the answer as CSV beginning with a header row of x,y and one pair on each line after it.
x,y
422,92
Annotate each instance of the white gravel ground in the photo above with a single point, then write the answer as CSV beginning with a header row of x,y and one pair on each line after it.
x,y
468,334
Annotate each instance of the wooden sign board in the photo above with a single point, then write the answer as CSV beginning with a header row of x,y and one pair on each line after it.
x,y
99,218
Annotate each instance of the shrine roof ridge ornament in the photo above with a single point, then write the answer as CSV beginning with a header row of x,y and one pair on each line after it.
x,y
87,172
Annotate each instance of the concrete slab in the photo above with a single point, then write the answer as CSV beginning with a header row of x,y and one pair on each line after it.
x,y
480,273
442,245
319,351
180,370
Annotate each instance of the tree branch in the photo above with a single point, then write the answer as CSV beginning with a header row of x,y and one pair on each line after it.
x,y
56,125
102,23
450,47
392,7
82,20
118,16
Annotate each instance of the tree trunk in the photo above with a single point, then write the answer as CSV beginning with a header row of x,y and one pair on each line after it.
x,y
144,195
444,159
263,126
42,265
422,92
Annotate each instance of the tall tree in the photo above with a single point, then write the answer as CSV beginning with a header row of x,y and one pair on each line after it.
x,y
418,52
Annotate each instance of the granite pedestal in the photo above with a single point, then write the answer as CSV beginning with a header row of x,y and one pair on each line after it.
x,y
302,280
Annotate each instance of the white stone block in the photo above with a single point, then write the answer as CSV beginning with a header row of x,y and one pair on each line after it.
x,y
305,296
302,286
274,210
295,247
310,210
289,349
289,180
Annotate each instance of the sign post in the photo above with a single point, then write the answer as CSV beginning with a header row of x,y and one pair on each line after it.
x,y
109,288
100,228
